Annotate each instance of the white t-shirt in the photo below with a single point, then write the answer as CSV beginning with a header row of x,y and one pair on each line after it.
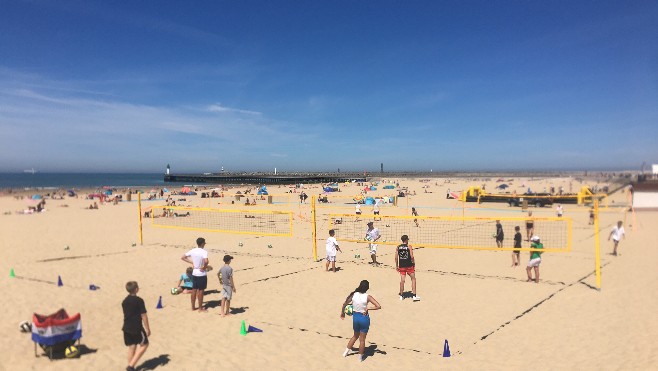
x,y
197,255
358,208
359,302
559,210
331,246
374,234
376,207
617,233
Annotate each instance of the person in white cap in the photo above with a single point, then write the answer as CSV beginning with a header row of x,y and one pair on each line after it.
x,y
535,259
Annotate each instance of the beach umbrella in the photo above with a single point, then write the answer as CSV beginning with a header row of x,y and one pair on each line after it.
x,y
37,197
165,190
503,186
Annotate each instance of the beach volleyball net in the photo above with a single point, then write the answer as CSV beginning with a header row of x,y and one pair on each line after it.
x,y
475,233
258,222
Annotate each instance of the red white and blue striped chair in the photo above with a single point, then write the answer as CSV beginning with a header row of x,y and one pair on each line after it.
x,y
55,332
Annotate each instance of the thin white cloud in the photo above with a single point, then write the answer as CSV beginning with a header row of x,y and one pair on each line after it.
x,y
55,130
219,108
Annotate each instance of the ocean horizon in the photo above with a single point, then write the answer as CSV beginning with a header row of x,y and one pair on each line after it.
x,y
81,180
28,180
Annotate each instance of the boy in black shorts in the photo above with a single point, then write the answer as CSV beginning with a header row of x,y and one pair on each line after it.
x,y
136,328
516,254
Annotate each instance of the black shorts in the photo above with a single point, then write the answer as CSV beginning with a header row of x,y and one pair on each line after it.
x,y
135,339
199,282
376,212
500,239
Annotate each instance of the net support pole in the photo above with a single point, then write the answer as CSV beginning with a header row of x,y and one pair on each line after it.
x,y
139,210
314,230
597,244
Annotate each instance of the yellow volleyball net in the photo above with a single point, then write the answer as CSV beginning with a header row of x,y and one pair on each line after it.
x,y
474,233
258,222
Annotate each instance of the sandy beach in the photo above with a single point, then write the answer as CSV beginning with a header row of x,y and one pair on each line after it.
x,y
492,318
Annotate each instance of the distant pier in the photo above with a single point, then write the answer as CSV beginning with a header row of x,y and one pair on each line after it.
x,y
256,178
329,177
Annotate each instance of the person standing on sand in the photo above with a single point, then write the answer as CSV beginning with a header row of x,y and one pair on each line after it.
x,y
516,254
591,216
406,264
617,233
500,235
332,247
228,285
535,259
357,211
529,226
136,329
359,300
559,210
198,257
372,235
415,213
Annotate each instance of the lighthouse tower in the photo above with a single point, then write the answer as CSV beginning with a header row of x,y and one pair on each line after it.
x,y
168,169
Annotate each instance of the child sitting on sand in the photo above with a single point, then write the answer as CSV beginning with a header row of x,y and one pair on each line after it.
x,y
184,284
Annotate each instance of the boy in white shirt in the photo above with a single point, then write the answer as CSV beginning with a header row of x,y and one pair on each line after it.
x,y
372,235
617,233
332,247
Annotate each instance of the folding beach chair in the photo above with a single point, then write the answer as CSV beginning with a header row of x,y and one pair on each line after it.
x,y
55,332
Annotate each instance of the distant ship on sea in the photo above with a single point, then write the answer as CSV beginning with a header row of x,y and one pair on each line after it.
x,y
30,171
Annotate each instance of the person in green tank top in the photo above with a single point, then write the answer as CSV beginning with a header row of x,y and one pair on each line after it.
x,y
535,259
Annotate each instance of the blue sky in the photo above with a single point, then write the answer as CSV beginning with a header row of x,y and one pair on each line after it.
x,y
321,85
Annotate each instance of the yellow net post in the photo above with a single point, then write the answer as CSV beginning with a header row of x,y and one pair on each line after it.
x,y
314,230
597,244
139,210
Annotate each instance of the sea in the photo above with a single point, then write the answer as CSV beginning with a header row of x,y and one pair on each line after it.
x,y
82,180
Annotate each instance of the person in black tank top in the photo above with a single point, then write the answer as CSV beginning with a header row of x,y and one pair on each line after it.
x,y
405,264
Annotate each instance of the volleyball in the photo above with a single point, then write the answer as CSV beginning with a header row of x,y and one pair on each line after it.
x,y
71,352
25,326
368,238
174,291
349,309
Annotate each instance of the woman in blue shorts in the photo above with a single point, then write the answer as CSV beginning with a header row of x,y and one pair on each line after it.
x,y
360,318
